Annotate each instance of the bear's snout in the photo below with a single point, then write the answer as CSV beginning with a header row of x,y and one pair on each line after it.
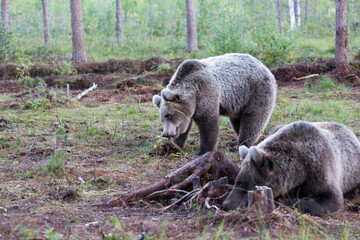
x,y
165,135
225,207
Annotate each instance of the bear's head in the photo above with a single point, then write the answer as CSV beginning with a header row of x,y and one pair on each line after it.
x,y
256,170
175,112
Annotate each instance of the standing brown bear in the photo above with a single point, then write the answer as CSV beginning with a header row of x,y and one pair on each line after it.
x,y
234,85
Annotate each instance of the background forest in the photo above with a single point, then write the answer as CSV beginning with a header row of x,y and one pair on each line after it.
x,y
158,28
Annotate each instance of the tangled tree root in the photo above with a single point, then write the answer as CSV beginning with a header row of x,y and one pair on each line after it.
x,y
214,169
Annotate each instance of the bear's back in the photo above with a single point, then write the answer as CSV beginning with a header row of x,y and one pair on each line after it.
x,y
240,77
347,152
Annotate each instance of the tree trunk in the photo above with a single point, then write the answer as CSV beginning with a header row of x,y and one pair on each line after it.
x,y
192,42
119,22
341,40
297,12
78,36
279,14
46,22
5,17
306,11
292,15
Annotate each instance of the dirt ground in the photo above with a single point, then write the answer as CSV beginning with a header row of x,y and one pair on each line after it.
x,y
105,161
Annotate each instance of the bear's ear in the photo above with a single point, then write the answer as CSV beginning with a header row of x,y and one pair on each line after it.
x,y
243,151
189,66
170,96
157,100
257,155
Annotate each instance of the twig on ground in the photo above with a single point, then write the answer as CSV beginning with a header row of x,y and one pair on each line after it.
x,y
208,206
79,96
305,77
32,144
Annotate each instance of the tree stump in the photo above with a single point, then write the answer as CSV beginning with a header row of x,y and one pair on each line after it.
x,y
262,200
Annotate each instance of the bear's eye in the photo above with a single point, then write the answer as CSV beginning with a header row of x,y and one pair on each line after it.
x,y
168,117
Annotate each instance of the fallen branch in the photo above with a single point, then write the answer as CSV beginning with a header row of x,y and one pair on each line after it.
x,y
86,91
216,164
306,77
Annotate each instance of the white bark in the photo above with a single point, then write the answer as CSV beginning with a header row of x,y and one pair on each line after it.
x,y
297,12
292,15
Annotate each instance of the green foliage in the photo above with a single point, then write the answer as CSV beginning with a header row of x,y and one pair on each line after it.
x,y
165,68
38,103
118,232
6,46
53,164
53,235
24,233
325,85
158,27
257,38
32,82
65,68
273,48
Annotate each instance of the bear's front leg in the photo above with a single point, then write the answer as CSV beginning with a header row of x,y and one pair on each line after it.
x,y
209,131
320,205
180,141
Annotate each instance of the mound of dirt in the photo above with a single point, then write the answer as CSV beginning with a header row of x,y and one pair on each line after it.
x,y
165,149
129,66
287,73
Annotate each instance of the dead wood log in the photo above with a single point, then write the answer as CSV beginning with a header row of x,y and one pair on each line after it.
x,y
80,95
216,164
306,77
261,199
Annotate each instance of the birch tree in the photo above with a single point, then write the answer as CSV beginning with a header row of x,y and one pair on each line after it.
x,y
119,22
78,35
192,42
292,15
279,14
306,11
46,22
297,12
342,61
5,16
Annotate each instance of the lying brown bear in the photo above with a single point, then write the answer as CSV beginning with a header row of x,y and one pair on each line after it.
x,y
313,164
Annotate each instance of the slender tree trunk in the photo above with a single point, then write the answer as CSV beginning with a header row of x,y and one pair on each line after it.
x,y
342,61
46,22
306,11
78,36
192,42
279,14
151,18
292,15
297,12
5,16
119,22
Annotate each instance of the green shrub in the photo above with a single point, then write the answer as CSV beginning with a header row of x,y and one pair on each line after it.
x,y
325,85
65,68
7,52
32,82
53,164
165,68
265,43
